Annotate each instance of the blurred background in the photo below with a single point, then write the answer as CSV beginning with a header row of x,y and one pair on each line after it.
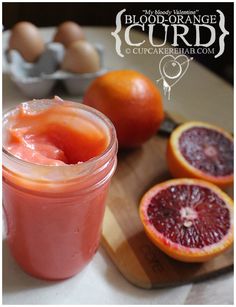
x,y
103,14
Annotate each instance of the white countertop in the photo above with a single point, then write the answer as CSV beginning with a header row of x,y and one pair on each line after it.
x,y
199,95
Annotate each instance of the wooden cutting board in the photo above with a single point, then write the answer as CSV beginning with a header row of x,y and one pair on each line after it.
x,y
139,261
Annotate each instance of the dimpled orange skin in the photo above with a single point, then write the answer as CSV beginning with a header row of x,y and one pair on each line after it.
x,y
180,168
178,251
131,101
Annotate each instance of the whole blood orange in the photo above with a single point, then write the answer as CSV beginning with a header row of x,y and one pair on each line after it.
x,y
200,150
190,220
131,101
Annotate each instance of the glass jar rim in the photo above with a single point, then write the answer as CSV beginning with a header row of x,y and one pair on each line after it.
x,y
80,168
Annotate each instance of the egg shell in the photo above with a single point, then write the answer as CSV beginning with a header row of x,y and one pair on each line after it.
x,y
68,32
37,80
27,40
81,57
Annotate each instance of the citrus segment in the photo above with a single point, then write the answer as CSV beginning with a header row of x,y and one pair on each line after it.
x,y
189,219
200,150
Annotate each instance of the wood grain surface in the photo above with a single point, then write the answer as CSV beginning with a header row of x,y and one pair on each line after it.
x,y
140,262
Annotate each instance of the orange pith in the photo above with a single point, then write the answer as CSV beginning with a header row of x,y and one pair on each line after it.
x,y
173,249
181,168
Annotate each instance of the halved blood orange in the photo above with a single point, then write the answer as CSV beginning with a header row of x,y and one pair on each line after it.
x,y
189,219
201,150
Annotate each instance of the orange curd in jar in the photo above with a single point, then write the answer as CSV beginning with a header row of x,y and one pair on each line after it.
x,y
58,160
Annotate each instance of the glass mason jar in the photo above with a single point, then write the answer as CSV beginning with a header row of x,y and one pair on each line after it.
x,y
54,213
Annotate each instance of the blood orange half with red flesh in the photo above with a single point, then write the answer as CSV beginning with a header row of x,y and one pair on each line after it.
x,y
200,150
189,219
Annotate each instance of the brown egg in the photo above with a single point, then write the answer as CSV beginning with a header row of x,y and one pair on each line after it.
x,y
27,40
81,57
68,32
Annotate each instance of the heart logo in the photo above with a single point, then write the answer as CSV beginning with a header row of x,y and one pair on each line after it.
x,y
172,69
